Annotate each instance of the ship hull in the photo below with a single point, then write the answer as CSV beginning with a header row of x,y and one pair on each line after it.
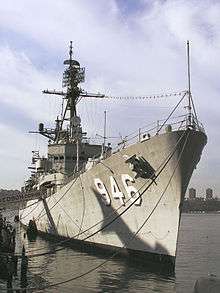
x,y
130,202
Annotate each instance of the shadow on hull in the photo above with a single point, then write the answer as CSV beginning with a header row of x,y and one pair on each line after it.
x,y
150,262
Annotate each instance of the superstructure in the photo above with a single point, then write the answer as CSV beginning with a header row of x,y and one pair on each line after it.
x,y
128,199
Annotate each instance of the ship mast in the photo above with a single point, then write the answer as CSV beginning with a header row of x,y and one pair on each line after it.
x,y
72,76
104,133
189,86
192,115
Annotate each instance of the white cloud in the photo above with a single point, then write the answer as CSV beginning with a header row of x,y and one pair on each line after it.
x,y
140,53
21,84
15,156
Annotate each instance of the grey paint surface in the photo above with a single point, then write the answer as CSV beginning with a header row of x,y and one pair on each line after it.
x,y
78,206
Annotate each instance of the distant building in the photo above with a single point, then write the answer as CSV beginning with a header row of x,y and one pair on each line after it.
x,y
209,193
192,193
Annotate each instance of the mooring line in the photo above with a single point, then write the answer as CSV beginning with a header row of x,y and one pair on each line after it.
x,y
168,158
119,248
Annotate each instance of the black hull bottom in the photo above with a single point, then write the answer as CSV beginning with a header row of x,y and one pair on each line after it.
x,y
152,262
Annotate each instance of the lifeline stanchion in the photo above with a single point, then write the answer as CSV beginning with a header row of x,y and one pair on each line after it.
x,y
136,233
160,169
24,266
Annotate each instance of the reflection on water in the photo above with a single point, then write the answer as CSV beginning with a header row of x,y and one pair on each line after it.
x,y
198,254
114,276
198,249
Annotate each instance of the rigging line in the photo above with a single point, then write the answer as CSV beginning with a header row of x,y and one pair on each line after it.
x,y
145,97
39,215
60,242
101,162
139,229
77,235
84,206
43,208
177,105
33,203
80,98
146,129
37,204
194,109
119,248
57,200
179,158
69,239
78,226
83,232
62,105
62,119
119,215
79,276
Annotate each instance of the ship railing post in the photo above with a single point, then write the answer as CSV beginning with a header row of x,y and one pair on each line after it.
x,y
15,265
77,155
158,126
139,134
10,268
24,266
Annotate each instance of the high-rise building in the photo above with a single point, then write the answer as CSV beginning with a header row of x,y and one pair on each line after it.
x,y
192,193
209,193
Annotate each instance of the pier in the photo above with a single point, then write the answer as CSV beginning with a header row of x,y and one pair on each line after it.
x,y
12,269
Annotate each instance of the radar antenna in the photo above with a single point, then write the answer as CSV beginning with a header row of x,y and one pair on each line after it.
x,y
73,75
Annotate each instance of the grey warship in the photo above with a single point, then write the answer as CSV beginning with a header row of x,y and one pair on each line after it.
x,y
128,199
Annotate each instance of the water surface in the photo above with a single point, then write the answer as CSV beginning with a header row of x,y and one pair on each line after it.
x,y
198,254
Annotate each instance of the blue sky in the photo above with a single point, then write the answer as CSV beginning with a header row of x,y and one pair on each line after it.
x,y
128,48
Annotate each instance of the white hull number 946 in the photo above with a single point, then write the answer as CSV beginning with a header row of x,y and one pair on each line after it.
x,y
116,193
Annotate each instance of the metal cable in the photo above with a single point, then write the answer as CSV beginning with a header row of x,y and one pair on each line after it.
x,y
69,239
84,231
145,97
40,216
177,105
84,206
119,248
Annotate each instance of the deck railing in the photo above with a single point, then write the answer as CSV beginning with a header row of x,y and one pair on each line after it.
x,y
181,122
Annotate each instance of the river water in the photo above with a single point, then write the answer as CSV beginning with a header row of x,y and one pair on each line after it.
x,y
198,255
